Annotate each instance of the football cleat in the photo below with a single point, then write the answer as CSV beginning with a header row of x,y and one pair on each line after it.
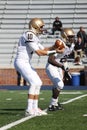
x,y
40,112
35,112
60,107
55,108
52,108
29,113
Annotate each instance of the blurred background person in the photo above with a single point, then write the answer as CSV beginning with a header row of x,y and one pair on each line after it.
x,y
79,47
82,34
20,80
57,25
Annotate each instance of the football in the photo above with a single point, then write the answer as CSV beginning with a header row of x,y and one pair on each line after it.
x,y
59,44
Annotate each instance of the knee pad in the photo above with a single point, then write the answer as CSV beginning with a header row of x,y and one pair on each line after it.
x,y
36,83
39,83
37,91
31,90
35,88
60,85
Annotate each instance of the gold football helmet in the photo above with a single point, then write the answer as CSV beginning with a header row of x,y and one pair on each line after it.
x,y
67,33
36,25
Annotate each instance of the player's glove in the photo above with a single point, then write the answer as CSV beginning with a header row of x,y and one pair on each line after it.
x,y
67,74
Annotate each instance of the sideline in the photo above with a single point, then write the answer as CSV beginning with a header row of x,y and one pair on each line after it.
x,y
6,127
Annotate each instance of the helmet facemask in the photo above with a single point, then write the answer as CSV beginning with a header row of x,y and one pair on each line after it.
x,y
71,39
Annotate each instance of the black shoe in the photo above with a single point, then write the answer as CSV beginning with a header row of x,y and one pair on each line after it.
x,y
52,108
55,108
60,107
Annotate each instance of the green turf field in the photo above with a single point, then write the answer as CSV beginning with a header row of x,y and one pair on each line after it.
x,y
13,105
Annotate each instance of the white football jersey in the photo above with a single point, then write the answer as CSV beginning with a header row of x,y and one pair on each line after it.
x,y
28,44
58,56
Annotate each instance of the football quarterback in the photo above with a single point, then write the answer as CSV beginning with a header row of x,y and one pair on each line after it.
x,y
28,44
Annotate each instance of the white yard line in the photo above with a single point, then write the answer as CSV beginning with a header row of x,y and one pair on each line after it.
x,y
78,92
29,117
8,99
73,99
16,123
85,115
